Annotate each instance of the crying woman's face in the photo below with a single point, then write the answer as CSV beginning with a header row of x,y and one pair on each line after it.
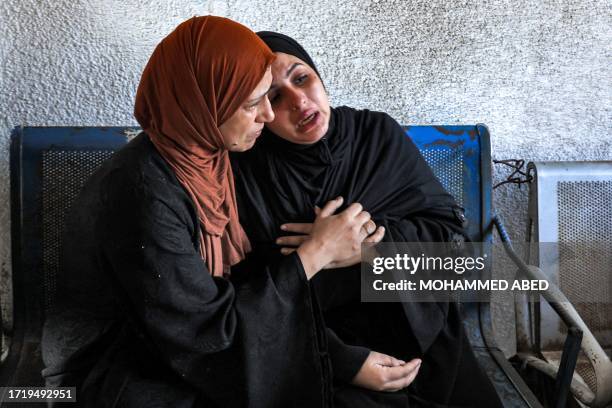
x,y
299,101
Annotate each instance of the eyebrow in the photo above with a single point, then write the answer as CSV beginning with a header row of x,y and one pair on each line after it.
x,y
256,99
289,71
294,66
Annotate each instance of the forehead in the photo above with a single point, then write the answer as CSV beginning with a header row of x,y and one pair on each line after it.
x,y
263,84
283,62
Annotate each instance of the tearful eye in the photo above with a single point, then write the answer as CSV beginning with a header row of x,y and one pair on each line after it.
x,y
301,79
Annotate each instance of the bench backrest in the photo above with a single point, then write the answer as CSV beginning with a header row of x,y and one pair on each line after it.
x,y
569,227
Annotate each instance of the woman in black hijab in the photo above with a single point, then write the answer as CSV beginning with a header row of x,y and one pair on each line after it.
x,y
311,153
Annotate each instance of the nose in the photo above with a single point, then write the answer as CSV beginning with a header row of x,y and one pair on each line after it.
x,y
296,98
266,114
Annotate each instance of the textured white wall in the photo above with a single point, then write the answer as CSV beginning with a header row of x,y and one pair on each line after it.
x,y
538,73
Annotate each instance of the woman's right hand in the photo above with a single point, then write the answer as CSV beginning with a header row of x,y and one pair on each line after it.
x,y
333,238
381,372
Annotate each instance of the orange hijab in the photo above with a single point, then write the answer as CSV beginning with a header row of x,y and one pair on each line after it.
x,y
197,77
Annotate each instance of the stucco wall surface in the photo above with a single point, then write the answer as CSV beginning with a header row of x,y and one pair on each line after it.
x,y
538,73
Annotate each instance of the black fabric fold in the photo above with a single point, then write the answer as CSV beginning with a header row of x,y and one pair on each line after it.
x,y
365,157
346,359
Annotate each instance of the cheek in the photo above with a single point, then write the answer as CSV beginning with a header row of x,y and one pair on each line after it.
x,y
318,95
246,123
281,121
321,98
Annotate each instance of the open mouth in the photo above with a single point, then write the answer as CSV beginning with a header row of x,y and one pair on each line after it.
x,y
308,120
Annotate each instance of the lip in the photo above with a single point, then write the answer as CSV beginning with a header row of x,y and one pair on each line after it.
x,y
313,122
255,136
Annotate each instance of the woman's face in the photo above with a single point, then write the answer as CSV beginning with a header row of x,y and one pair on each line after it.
x,y
243,128
299,100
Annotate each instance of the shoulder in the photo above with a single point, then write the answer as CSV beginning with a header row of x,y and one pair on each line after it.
x,y
138,176
140,164
369,126
247,158
251,165
367,118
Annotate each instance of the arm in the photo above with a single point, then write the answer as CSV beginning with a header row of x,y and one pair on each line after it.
x,y
419,209
369,369
346,360
217,335
200,327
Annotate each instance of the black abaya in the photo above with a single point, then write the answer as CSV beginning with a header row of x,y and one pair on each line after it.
x,y
140,321
365,157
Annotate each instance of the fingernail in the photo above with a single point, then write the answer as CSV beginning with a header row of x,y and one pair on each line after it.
x,y
283,227
278,241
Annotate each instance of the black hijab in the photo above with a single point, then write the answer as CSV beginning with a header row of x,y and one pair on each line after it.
x,y
365,157
281,43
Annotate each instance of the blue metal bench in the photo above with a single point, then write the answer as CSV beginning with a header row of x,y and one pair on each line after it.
x,y
49,166
460,156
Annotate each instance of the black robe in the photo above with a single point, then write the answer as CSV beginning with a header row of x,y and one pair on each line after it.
x,y
365,157
140,322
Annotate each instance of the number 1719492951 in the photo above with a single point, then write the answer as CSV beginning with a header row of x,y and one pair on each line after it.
x,y
23,394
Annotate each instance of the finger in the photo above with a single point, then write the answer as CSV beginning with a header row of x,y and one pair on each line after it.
x,y
394,362
292,240
414,363
317,210
398,362
377,236
383,360
412,376
331,206
399,372
353,210
287,251
370,227
298,227
362,218
403,382
363,234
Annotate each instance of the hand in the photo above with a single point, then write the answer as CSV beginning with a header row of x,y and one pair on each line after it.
x,y
373,235
370,234
381,372
332,238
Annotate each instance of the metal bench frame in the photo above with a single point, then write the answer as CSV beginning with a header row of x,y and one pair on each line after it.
x,y
539,324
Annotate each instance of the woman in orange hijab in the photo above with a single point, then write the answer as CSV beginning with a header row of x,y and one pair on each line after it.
x,y
149,313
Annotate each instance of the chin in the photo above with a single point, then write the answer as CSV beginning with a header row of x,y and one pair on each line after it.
x,y
240,149
311,137
248,145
